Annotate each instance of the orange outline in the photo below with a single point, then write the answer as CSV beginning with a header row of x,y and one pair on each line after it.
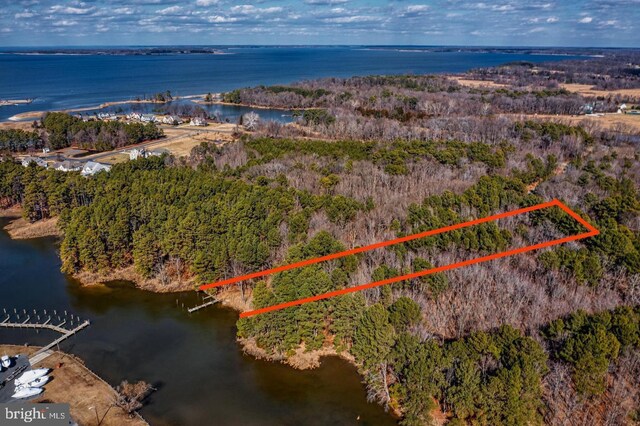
x,y
592,232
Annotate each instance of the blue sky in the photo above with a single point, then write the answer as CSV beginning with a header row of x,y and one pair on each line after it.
x,y
427,22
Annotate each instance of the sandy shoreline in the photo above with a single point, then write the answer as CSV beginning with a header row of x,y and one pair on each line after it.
x,y
38,114
21,229
194,98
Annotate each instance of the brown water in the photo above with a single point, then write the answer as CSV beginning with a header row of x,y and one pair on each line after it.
x,y
202,376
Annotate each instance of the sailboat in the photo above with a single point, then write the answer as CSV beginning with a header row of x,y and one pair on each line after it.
x,y
27,392
37,383
30,376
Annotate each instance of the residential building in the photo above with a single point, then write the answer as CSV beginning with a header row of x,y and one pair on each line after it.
x,y
197,121
67,166
92,167
174,120
36,160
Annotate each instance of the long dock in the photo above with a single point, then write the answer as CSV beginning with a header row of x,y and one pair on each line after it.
x,y
44,352
204,304
65,336
26,324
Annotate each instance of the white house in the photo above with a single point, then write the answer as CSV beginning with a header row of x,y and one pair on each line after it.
x,y
36,160
622,108
134,116
197,121
45,150
172,119
91,168
148,118
136,153
67,166
107,116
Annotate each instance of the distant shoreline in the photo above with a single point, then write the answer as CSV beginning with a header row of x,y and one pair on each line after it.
x,y
28,115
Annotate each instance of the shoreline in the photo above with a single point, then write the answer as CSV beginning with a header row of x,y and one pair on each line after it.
x,y
229,297
38,114
72,382
28,115
19,228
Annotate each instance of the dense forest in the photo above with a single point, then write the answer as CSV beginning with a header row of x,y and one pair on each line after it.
x,y
60,130
548,337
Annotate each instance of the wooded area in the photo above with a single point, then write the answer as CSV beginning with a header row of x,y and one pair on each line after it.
x,y
546,337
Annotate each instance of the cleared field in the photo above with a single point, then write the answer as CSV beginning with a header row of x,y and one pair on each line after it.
x,y
116,158
183,139
24,125
586,90
624,123
479,83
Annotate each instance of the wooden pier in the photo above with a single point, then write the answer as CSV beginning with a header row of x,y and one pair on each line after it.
x,y
47,325
212,301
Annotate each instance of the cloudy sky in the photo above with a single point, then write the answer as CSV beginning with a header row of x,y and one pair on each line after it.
x,y
427,22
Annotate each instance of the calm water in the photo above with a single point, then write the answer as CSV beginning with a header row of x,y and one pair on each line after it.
x,y
68,81
200,372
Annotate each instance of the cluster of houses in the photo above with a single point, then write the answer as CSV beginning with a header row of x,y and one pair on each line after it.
x,y
89,168
173,120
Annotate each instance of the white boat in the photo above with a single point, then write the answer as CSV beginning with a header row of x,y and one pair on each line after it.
x,y
37,383
30,376
27,392
5,361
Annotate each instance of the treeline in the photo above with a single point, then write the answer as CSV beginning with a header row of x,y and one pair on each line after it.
x,y
18,140
63,130
407,99
393,157
613,71
145,213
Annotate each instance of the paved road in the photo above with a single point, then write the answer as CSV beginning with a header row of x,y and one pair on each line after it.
x,y
19,363
188,131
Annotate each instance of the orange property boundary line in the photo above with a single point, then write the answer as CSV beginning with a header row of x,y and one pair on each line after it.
x,y
592,231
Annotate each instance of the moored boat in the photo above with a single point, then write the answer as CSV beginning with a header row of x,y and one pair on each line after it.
x,y
27,392
5,361
37,383
30,376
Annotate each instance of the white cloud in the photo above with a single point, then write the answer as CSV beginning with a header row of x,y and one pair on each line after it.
x,y
352,19
169,10
64,23
70,10
586,20
123,11
206,3
249,9
221,19
417,8
23,15
552,19
325,2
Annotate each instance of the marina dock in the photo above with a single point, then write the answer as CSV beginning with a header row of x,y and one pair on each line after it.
x,y
44,352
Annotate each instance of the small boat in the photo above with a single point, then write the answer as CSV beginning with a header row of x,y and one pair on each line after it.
x,y
27,392
5,361
37,383
30,376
